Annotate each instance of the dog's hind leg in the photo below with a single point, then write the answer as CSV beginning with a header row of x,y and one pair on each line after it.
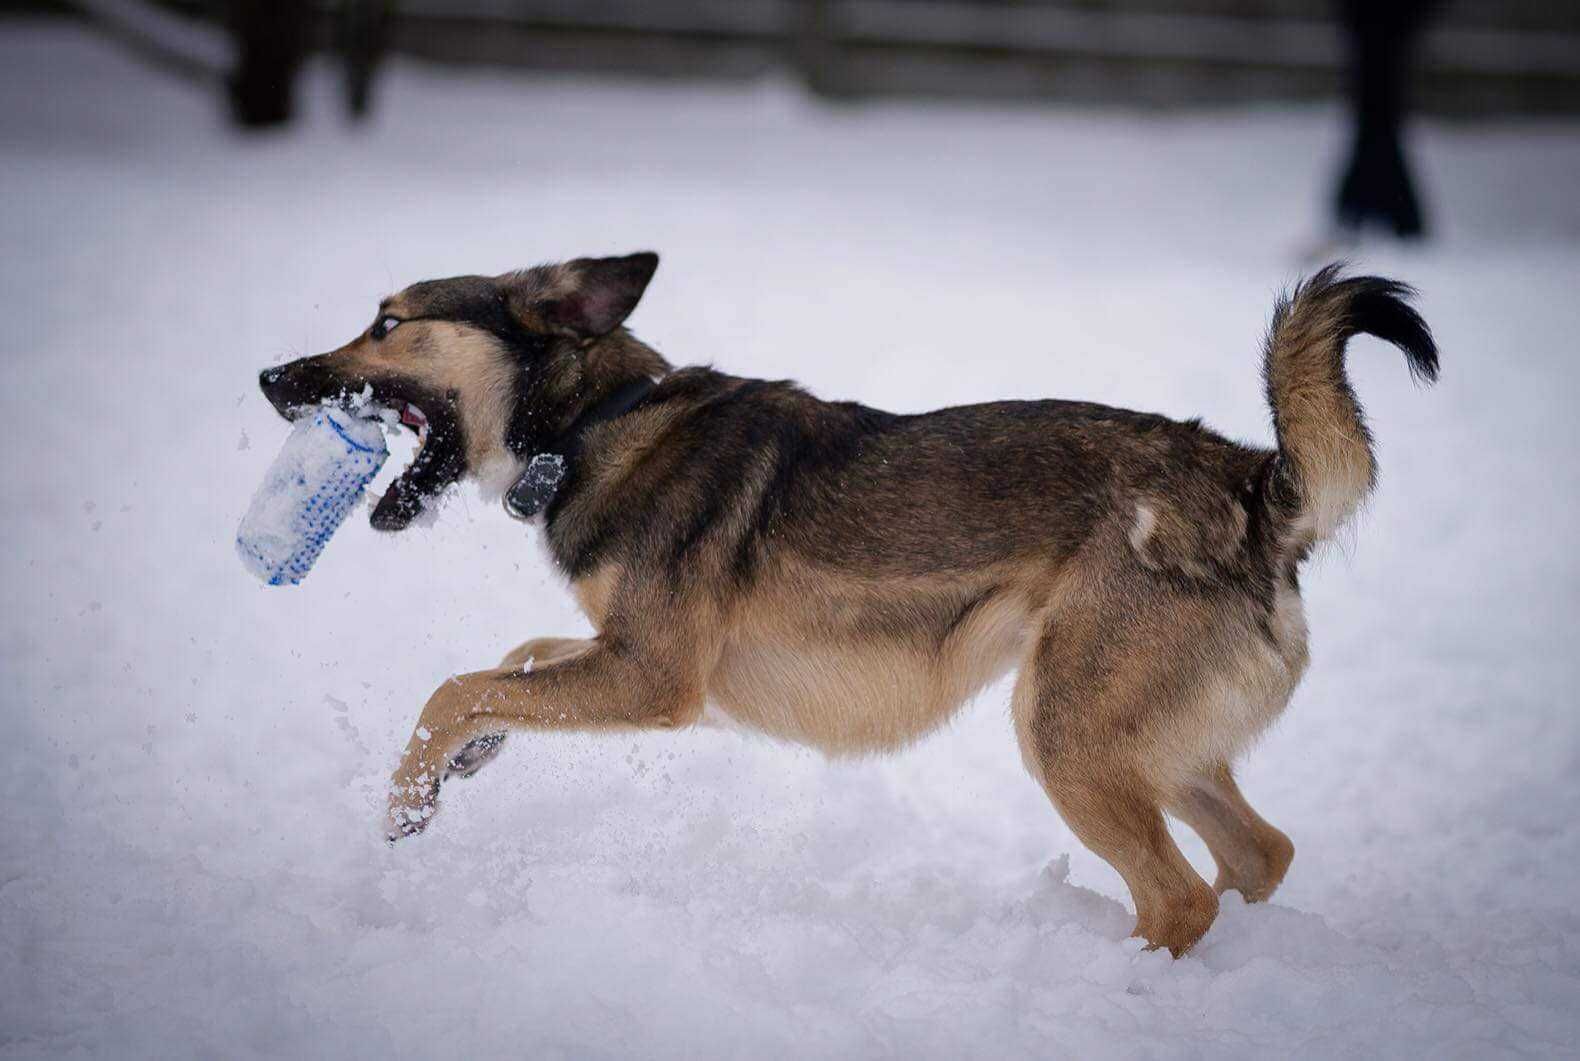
x,y
1119,818
1087,714
1252,855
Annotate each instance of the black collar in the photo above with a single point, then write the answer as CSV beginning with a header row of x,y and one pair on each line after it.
x,y
547,469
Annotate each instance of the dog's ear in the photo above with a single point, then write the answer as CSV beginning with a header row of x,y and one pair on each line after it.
x,y
591,297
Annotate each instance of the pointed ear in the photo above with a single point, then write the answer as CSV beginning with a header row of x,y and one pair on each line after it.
x,y
598,294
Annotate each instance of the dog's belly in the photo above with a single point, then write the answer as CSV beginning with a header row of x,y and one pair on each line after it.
x,y
862,695
842,700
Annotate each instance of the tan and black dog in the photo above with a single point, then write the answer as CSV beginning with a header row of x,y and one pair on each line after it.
x,y
845,577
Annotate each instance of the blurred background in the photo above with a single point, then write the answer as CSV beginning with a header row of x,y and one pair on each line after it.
x,y
1481,60
910,203
1478,58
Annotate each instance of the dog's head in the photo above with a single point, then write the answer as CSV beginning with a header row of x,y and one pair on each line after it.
x,y
485,369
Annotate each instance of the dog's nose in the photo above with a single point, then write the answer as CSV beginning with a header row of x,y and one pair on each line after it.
x,y
270,376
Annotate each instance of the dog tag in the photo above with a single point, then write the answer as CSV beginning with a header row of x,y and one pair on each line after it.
x,y
536,487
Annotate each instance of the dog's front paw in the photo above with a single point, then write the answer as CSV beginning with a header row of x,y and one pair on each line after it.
x,y
412,806
475,755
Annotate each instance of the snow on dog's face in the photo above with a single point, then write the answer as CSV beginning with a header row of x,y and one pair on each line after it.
x,y
485,369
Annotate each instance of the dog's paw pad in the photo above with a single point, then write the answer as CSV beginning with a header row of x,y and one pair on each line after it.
x,y
476,755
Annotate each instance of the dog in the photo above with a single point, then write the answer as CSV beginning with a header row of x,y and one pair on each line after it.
x,y
845,578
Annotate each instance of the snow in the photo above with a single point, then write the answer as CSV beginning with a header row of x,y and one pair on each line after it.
x,y
191,860
314,483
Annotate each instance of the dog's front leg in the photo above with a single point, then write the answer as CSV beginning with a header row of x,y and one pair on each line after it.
x,y
538,652
543,651
647,678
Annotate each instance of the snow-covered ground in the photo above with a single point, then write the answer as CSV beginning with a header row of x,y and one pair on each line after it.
x,y
192,769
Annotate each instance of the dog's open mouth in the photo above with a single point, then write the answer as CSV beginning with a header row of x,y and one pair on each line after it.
x,y
438,462
296,390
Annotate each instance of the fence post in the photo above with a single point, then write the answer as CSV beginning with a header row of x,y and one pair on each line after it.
x,y
815,48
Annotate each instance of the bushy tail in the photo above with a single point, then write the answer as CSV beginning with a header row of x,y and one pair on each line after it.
x,y
1324,467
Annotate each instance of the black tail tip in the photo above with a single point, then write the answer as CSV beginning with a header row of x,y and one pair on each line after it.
x,y
1378,306
1381,307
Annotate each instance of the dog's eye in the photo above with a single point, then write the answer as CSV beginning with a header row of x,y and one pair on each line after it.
x,y
383,326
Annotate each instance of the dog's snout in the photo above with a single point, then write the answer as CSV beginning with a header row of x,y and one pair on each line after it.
x,y
282,387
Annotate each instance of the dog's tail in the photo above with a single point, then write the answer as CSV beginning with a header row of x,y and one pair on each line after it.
x,y
1324,468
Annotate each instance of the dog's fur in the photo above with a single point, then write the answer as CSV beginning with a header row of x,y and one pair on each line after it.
x,y
845,577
